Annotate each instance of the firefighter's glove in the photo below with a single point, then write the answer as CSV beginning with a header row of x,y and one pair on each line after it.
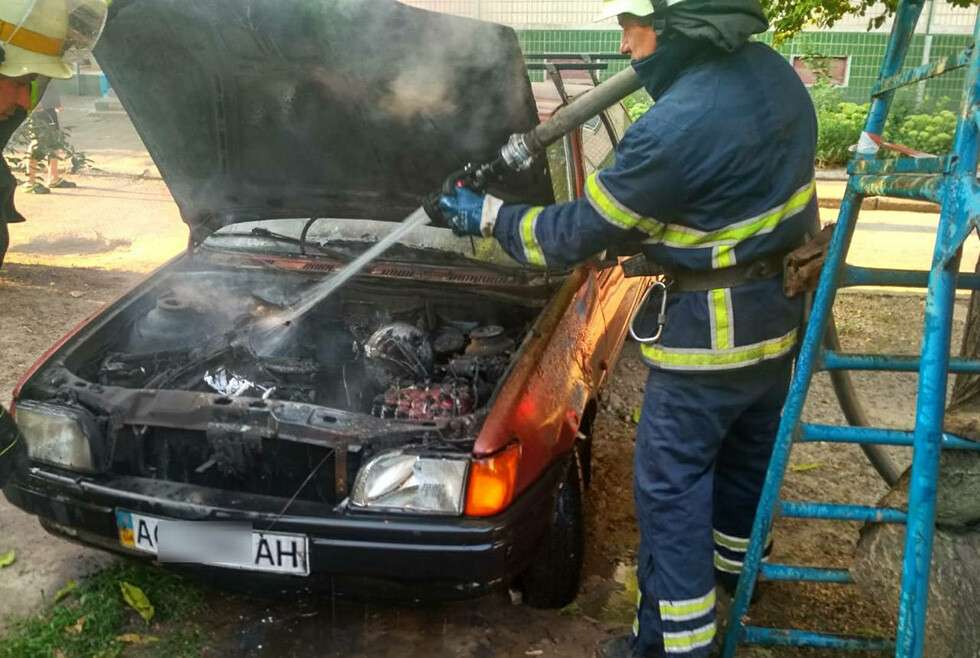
x,y
470,213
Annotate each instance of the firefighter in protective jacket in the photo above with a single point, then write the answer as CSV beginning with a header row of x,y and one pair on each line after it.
x,y
715,184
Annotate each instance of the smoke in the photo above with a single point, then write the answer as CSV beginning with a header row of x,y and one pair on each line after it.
x,y
279,108
448,62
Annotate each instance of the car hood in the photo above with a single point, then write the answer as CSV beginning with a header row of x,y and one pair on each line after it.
x,y
258,109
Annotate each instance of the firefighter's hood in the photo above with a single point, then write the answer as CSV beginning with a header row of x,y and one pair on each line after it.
x,y
256,109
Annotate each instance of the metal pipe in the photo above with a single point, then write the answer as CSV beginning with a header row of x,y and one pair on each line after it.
x,y
920,93
854,412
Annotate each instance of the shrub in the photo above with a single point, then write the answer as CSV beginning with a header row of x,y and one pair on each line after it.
x,y
929,129
839,128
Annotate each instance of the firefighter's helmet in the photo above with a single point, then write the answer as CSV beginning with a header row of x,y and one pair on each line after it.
x,y
613,8
35,35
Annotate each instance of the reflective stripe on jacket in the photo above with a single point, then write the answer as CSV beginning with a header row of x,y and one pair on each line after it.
x,y
719,172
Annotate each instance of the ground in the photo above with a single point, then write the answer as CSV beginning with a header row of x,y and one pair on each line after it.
x,y
127,225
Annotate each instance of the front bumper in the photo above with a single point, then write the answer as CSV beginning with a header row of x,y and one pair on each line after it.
x,y
374,555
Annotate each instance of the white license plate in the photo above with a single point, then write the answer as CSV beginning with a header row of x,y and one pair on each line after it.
x,y
215,544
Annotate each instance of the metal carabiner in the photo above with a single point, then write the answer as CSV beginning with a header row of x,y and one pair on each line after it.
x,y
661,318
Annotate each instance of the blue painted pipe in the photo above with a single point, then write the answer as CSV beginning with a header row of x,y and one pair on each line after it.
x,y
835,512
868,435
890,363
811,574
960,199
924,72
789,638
870,276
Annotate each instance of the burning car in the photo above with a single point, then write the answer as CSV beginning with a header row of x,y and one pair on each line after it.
x,y
425,428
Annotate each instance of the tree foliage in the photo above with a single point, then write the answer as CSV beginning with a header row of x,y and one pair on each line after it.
x,y
791,16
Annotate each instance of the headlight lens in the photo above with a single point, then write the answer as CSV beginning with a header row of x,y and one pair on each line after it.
x,y
55,435
403,482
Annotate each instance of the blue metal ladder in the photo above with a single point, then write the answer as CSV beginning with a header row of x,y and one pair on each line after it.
x,y
950,181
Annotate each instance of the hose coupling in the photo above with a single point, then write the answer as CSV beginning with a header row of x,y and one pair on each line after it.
x,y
517,154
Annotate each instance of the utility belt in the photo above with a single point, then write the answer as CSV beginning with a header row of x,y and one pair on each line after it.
x,y
685,280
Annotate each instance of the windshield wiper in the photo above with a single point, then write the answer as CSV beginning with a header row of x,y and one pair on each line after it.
x,y
259,232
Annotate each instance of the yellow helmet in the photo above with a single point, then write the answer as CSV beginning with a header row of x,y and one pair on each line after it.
x,y
36,34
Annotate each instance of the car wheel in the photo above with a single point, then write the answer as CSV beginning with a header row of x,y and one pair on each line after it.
x,y
552,580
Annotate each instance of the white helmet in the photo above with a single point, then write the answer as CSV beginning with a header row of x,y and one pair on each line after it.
x,y
613,8
36,34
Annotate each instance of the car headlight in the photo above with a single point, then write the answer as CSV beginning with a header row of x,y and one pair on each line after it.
x,y
56,435
403,482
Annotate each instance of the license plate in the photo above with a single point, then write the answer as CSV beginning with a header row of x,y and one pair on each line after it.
x,y
214,544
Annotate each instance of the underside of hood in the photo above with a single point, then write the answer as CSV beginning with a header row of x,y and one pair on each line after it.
x,y
258,109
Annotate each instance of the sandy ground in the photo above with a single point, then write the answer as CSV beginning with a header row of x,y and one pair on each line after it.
x,y
39,305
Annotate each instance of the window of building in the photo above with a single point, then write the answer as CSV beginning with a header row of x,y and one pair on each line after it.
x,y
811,69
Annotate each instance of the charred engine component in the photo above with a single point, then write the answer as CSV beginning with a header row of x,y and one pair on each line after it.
x,y
479,368
425,403
448,341
231,385
398,352
489,341
172,324
119,369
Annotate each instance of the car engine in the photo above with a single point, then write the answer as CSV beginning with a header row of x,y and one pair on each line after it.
x,y
421,356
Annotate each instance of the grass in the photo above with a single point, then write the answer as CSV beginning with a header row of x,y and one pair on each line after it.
x,y
59,633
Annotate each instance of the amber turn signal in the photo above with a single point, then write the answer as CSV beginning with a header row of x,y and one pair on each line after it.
x,y
492,482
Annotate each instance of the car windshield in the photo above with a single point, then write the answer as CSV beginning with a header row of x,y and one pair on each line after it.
x,y
345,239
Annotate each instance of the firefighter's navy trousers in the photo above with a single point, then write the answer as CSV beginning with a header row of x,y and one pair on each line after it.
x,y
702,450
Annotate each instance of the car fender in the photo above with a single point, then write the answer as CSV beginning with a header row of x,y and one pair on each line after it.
x,y
11,444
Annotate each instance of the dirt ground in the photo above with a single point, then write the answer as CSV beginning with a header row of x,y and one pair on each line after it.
x,y
42,303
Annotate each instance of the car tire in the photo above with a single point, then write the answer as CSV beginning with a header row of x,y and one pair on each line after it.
x,y
552,580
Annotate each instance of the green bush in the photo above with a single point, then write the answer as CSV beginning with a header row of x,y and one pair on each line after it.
x,y
928,128
839,129
932,133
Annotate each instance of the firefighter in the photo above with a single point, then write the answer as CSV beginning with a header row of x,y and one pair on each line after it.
x,y
715,184
35,35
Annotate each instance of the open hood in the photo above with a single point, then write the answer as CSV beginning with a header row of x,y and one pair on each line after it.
x,y
258,109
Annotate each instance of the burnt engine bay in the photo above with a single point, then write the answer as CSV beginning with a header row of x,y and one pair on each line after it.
x,y
419,353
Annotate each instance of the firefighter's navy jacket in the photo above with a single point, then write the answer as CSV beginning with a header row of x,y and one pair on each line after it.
x,y
719,172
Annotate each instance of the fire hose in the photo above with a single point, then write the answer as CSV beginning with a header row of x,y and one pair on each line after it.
x,y
521,150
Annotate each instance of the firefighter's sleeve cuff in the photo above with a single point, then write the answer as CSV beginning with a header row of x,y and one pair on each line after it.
x,y
491,208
